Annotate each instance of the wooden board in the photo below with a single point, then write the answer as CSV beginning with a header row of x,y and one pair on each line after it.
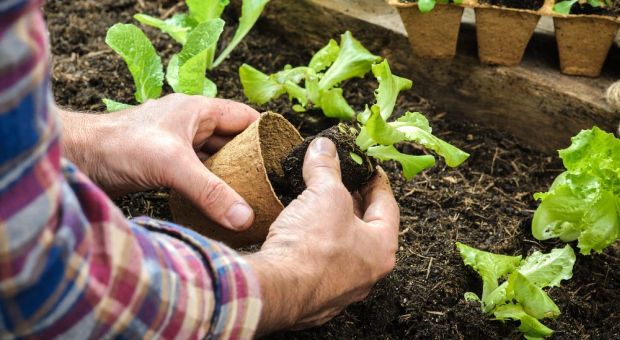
x,y
533,102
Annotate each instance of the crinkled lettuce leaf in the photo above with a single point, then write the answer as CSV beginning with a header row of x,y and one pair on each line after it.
x,y
114,106
325,57
353,60
202,11
412,164
389,88
141,58
583,202
521,297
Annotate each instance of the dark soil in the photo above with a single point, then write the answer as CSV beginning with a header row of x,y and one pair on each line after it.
x,y
578,8
354,175
520,4
486,203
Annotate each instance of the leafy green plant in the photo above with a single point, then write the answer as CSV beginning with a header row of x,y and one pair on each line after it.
x,y
583,203
426,6
328,68
198,31
520,297
564,7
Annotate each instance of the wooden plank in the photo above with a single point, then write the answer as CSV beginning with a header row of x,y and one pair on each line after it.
x,y
533,102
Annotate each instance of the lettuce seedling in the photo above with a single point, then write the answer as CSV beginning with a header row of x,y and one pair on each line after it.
x,y
198,31
329,67
426,6
520,297
377,137
564,7
583,203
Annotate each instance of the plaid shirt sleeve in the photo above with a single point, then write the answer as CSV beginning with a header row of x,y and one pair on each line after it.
x,y
71,265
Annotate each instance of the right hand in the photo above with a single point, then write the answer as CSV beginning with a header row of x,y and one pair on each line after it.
x,y
326,250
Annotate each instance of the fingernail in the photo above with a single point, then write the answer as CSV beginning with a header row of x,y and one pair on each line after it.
x,y
239,215
323,146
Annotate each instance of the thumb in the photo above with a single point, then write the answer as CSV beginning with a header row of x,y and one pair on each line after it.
x,y
212,196
321,165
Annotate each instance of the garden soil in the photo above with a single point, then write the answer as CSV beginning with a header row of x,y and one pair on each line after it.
x,y
486,203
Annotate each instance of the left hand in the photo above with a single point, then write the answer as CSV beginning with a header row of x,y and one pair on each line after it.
x,y
161,144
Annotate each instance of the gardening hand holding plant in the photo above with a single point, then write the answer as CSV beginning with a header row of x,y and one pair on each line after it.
x,y
159,144
326,251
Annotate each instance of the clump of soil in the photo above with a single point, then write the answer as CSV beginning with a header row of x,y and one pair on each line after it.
x,y
486,203
520,4
354,174
586,8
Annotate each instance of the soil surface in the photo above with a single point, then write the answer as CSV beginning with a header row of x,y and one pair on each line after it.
x,y
354,175
486,203
521,4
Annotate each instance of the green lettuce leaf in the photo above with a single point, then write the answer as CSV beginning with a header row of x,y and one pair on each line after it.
x,y
353,60
408,125
334,105
259,87
250,11
411,164
389,88
529,325
186,70
114,106
141,58
177,27
491,267
532,298
325,57
582,202
563,7
205,10
547,270
380,131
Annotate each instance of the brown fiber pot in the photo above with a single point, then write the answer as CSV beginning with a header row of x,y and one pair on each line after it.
x,y
243,163
583,44
503,35
432,35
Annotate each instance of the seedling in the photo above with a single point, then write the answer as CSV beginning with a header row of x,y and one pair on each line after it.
x,y
520,297
198,31
564,7
583,203
426,6
372,136
328,68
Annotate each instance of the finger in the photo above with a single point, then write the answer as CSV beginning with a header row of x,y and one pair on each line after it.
x,y
215,143
231,117
211,195
321,164
381,207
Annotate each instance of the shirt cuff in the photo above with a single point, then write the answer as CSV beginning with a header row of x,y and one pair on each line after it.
x,y
237,293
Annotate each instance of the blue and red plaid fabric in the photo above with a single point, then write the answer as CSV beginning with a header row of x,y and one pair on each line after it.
x,y
71,265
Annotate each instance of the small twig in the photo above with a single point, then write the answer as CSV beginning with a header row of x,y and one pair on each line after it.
x,y
428,270
495,156
435,312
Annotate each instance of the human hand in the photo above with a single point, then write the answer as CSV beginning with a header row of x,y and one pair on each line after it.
x,y
324,252
161,144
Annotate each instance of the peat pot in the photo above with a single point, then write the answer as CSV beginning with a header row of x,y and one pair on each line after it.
x,y
432,35
244,163
583,53
503,35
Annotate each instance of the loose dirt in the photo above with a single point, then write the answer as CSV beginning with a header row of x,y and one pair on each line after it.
x,y
521,4
486,203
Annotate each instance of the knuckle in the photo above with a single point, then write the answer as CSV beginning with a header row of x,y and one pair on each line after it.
x,y
213,193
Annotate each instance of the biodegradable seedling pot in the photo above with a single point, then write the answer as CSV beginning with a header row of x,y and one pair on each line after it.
x,y
583,53
503,35
432,35
244,163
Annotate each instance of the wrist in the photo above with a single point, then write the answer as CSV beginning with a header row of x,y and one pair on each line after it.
x,y
286,289
82,137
